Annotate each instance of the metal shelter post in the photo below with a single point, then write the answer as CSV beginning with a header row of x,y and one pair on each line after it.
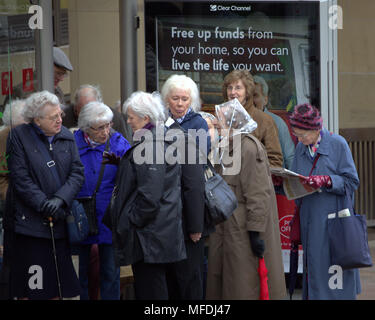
x,y
128,47
43,49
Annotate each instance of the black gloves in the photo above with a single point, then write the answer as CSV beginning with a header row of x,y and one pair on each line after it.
x,y
110,158
53,208
257,244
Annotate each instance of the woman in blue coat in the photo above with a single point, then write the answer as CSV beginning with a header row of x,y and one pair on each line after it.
x,y
334,172
92,138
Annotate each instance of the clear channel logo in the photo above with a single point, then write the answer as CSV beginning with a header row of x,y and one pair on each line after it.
x,y
215,7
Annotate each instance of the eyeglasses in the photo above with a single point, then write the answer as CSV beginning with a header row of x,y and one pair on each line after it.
x,y
103,127
56,117
301,136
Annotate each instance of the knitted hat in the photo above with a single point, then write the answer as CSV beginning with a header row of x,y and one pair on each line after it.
x,y
306,117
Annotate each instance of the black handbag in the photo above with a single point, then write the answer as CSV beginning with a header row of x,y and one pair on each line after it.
x,y
89,203
220,200
347,234
77,224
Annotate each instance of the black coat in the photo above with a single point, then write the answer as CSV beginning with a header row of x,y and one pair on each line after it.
x,y
31,180
145,208
192,183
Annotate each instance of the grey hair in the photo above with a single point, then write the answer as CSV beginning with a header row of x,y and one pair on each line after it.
x,y
93,113
94,92
263,83
146,104
178,81
13,113
34,104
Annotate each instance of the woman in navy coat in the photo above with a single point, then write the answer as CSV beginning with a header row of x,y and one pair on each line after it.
x,y
40,187
334,173
95,132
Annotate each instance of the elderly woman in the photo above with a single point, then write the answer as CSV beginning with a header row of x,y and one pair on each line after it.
x,y
12,117
181,96
240,84
93,138
252,231
41,188
334,173
146,205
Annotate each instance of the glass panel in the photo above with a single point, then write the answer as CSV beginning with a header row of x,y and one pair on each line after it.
x,y
278,41
17,51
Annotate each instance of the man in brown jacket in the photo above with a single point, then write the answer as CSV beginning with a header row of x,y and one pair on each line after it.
x,y
240,84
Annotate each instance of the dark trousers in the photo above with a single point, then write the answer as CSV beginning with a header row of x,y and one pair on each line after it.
x,y
185,278
150,281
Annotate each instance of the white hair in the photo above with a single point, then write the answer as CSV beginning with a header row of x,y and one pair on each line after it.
x,y
178,81
93,92
94,113
34,104
13,113
146,104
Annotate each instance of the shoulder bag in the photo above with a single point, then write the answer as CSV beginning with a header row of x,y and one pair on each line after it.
x,y
347,234
220,201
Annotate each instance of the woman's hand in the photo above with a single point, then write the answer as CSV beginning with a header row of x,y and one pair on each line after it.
x,y
110,158
318,181
195,237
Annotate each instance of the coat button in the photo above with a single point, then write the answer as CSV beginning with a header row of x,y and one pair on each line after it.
x,y
23,217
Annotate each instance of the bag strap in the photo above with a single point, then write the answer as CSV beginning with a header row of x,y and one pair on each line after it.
x,y
312,168
314,163
102,167
47,156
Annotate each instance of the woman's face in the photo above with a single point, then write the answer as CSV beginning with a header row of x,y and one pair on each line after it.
x,y
237,90
178,101
99,132
136,122
306,137
51,120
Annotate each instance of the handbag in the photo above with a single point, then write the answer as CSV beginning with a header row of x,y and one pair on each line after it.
x,y
89,203
77,224
347,234
220,201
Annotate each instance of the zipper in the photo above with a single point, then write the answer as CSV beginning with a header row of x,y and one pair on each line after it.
x,y
50,147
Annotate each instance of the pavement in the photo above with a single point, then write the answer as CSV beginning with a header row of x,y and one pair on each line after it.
x,y
368,274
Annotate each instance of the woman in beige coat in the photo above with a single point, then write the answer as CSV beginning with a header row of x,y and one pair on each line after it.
x,y
253,229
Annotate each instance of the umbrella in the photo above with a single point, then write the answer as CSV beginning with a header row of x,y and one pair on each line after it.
x,y
293,267
295,239
55,256
262,271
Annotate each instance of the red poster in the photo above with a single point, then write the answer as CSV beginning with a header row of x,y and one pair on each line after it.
x,y
6,83
27,80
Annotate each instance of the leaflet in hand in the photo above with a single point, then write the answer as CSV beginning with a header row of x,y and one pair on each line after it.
x,y
293,185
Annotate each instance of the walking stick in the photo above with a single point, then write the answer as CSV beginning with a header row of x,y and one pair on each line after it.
x,y
55,256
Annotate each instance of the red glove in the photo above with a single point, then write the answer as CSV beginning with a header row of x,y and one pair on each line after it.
x,y
277,180
318,181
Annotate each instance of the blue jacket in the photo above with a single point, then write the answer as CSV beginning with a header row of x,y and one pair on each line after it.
x,y
336,161
91,159
32,182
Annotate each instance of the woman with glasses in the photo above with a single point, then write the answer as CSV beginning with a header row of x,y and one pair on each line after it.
x,y
45,175
333,174
95,137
